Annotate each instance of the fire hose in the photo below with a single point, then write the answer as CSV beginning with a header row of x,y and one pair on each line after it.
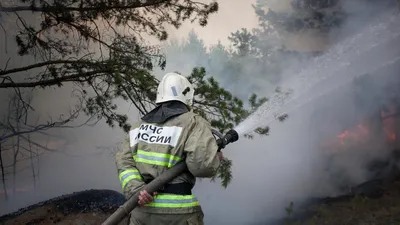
x,y
158,182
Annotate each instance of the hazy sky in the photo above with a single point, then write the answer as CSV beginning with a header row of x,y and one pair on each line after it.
x,y
232,15
236,14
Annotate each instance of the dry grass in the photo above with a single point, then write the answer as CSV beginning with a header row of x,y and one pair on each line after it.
x,y
384,210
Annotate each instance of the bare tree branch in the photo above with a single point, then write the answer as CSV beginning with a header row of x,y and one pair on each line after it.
x,y
37,65
50,82
52,9
16,130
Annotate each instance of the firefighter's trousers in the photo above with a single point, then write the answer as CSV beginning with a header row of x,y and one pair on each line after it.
x,y
144,218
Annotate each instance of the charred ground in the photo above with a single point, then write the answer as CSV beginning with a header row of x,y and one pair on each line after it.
x,y
79,208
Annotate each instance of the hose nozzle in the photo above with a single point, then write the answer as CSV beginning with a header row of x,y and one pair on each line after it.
x,y
230,137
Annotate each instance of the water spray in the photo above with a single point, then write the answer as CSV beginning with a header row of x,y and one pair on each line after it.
x,y
371,38
158,182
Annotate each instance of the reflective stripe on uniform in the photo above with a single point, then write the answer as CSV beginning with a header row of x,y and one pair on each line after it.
x,y
156,158
129,175
173,201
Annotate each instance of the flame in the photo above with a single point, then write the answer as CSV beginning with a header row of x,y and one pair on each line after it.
x,y
389,123
357,134
362,132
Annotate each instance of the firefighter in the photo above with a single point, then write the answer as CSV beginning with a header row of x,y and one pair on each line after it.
x,y
168,134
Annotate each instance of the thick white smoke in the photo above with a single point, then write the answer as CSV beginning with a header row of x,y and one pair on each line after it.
x,y
291,164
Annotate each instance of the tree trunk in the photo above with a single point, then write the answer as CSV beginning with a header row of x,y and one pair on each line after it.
x,y
3,176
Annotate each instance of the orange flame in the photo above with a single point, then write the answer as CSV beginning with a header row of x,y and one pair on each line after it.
x,y
361,132
357,134
389,123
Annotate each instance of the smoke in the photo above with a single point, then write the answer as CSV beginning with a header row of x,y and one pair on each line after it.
x,y
269,172
291,165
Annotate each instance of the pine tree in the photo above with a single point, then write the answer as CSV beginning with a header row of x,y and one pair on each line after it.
x,y
66,40
100,47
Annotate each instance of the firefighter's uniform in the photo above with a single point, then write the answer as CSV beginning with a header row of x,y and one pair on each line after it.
x,y
167,135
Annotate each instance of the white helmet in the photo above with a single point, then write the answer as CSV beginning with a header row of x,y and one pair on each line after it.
x,y
175,87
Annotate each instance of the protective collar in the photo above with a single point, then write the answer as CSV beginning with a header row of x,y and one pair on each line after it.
x,y
165,111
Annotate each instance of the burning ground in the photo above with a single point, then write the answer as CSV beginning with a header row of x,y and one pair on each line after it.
x,y
362,157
